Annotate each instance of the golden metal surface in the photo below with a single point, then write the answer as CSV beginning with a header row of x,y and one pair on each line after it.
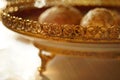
x,y
44,60
0,13
84,54
85,2
70,33
94,2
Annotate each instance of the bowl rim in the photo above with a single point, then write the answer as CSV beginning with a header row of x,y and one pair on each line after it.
x,y
55,32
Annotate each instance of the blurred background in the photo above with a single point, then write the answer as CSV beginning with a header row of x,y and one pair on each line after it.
x,y
19,61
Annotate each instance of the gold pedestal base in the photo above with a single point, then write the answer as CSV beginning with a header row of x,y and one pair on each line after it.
x,y
104,54
44,60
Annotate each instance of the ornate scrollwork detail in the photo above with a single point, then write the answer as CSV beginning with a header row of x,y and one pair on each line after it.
x,y
98,32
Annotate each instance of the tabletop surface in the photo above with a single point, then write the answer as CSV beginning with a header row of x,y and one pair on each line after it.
x,y
19,61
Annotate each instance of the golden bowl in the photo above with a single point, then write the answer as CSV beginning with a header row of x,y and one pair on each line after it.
x,y
63,39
